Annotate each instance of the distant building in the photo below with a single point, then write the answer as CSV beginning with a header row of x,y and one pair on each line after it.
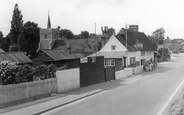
x,y
127,48
48,36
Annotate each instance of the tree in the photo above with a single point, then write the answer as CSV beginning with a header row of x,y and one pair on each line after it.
x,y
6,43
1,34
66,33
16,25
84,34
29,38
157,36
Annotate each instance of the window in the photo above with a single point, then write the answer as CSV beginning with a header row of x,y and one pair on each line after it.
x,y
109,62
93,59
45,36
132,60
142,53
113,47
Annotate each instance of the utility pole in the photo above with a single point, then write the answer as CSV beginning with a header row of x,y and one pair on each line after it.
x,y
126,45
95,28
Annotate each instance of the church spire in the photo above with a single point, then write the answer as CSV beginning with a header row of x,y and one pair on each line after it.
x,y
48,23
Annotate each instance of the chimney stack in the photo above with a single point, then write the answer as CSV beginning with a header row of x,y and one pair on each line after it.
x,y
134,28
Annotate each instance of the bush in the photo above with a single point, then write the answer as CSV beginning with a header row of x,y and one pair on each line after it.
x,y
24,74
11,73
8,72
44,72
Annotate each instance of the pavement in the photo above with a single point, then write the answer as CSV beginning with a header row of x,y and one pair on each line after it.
x,y
46,104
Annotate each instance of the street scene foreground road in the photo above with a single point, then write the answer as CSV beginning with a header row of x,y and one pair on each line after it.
x,y
145,95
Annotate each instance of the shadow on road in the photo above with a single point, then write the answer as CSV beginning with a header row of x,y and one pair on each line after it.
x,y
98,87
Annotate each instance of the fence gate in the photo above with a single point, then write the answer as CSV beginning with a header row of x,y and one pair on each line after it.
x,y
109,73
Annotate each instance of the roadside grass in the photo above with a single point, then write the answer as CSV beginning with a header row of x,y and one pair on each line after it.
x,y
177,107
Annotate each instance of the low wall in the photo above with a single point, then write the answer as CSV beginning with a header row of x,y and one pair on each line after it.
x,y
26,91
137,69
67,80
123,73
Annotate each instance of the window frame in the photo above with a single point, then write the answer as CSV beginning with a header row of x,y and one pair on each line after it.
x,y
132,60
109,62
113,47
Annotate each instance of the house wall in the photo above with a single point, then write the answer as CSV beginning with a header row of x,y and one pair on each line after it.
x,y
136,54
113,41
148,55
118,63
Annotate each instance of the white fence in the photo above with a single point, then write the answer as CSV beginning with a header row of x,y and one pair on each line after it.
x,y
123,73
17,92
137,69
68,80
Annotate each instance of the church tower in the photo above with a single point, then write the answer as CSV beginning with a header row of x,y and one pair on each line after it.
x,y
48,36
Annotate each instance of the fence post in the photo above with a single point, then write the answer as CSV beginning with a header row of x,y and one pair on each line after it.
x,y
27,90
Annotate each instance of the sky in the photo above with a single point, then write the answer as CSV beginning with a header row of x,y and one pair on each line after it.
x,y
81,15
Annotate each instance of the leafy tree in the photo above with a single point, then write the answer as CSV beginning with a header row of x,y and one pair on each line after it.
x,y
16,25
6,43
66,33
29,38
1,34
157,36
84,34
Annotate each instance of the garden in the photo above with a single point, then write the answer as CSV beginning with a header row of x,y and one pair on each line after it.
x,y
13,73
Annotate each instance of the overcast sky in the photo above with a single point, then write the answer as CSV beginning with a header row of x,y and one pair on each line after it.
x,y
80,15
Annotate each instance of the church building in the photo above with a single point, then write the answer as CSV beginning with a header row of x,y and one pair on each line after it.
x,y
48,36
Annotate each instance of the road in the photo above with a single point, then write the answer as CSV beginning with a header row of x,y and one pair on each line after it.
x,y
145,96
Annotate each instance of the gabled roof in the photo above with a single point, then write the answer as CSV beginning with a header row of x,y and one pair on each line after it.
x,y
19,57
58,54
130,48
134,36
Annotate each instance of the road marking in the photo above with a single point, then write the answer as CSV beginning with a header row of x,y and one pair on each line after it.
x,y
161,111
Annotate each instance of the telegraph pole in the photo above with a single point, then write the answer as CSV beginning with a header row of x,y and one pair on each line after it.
x,y
126,45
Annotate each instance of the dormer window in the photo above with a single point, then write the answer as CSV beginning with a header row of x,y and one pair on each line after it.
x,y
113,47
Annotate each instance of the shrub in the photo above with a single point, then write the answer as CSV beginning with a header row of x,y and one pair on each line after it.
x,y
24,74
44,72
11,73
8,72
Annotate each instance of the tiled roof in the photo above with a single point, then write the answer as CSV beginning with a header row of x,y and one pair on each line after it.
x,y
84,45
58,54
1,50
175,46
19,57
58,44
134,36
130,48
